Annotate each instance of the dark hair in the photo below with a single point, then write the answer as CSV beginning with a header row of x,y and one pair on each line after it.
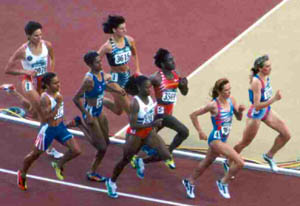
x,y
259,63
111,23
160,56
219,86
133,83
31,27
90,57
46,79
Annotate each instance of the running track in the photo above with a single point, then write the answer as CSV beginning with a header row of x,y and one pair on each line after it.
x,y
193,31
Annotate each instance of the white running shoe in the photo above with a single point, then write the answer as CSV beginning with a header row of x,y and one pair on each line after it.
x,y
223,189
189,188
54,153
111,188
271,162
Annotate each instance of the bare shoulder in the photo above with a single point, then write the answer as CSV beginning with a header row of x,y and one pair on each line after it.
x,y
48,44
130,38
105,48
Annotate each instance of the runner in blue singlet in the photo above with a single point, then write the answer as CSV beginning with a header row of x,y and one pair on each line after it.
x,y
221,108
260,93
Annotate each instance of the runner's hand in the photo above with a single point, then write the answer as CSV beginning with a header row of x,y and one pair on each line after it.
x,y
202,136
278,95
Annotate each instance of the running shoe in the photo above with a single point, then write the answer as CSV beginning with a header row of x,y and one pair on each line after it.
x,y
93,176
271,162
54,153
58,171
74,122
133,161
170,163
8,87
223,189
189,188
22,182
140,167
111,188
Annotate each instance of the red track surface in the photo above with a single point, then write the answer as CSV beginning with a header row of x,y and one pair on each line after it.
x,y
193,31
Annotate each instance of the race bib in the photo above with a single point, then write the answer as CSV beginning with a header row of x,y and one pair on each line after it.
x,y
60,112
217,134
225,130
169,96
149,117
268,93
40,70
122,58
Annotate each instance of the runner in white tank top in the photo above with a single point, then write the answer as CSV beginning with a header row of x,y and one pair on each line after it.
x,y
33,56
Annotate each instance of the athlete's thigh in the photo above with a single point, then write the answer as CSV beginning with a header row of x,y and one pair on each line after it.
x,y
275,122
173,123
156,142
96,132
224,149
102,120
72,144
30,93
132,145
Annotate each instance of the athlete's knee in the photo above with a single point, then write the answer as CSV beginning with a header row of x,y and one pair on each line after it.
x,y
101,149
184,133
240,163
286,135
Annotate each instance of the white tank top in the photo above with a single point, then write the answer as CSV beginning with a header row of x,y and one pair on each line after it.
x,y
60,111
33,62
146,112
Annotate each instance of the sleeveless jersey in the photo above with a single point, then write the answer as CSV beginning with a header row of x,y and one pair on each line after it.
x,y
266,90
119,56
33,62
60,111
221,122
96,92
166,92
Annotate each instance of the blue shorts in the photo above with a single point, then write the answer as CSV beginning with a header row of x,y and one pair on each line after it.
x,y
47,134
216,135
93,110
121,78
260,114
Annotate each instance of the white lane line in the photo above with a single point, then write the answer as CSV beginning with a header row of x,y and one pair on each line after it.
x,y
95,189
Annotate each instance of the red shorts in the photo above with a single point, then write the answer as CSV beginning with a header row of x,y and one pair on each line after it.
x,y
142,133
164,109
30,83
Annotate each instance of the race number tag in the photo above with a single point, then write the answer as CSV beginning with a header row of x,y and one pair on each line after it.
x,y
123,57
268,93
169,96
28,86
114,77
160,110
217,134
99,101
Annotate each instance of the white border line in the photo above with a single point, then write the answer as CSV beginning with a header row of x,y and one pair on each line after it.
x,y
96,189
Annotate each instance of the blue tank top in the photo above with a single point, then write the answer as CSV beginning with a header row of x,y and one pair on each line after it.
x,y
266,90
223,120
119,56
98,89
